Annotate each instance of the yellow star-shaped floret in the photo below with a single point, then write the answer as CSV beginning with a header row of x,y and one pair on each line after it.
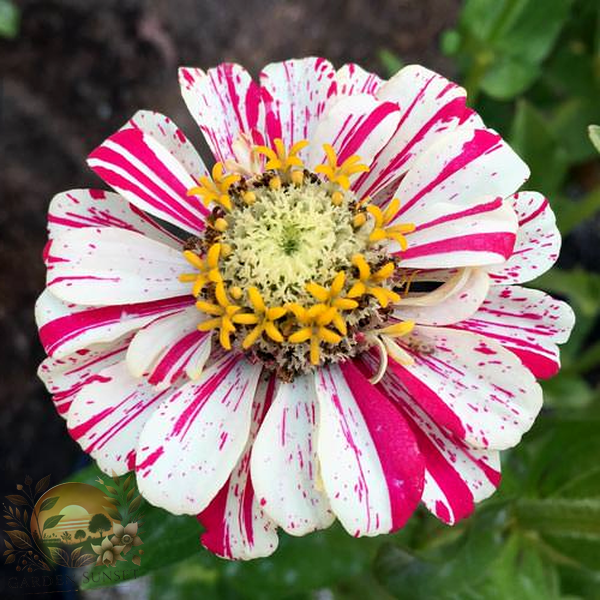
x,y
340,174
382,218
367,283
223,313
334,298
263,318
215,189
208,269
314,321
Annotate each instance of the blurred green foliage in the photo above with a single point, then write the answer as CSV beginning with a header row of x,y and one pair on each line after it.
x,y
532,70
9,19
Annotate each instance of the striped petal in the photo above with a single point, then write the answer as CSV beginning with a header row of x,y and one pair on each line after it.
x,y
164,131
225,103
455,300
371,467
482,234
157,337
67,328
284,460
357,124
460,169
295,93
190,446
352,79
107,416
65,377
456,476
96,208
430,105
537,244
236,526
114,266
137,166
527,322
470,385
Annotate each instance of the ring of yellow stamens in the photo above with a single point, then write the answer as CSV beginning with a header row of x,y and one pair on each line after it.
x,y
288,220
314,321
263,319
215,189
368,282
382,218
340,174
332,298
208,269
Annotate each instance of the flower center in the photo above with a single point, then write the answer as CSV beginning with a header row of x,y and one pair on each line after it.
x,y
287,238
293,268
126,539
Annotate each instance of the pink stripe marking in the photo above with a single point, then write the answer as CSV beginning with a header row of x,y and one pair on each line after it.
x,y
57,332
496,242
396,446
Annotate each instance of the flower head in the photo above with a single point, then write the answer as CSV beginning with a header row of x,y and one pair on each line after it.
x,y
340,333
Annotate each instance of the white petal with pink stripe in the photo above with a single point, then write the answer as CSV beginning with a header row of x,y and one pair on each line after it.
x,y
65,328
190,445
236,526
285,468
114,266
96,208
295,93
137,166
371,467
527,322
108,414
225,103
65,377
537,244
470,385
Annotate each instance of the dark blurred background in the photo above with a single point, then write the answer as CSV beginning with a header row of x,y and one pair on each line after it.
x,y
73,71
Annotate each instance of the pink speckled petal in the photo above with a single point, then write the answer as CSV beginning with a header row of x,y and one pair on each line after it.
x,y
108,414
96,208
295,93
191,444
470,385
371,466
538,241
109,266
527,322
284,460
236,526
226,103
65,376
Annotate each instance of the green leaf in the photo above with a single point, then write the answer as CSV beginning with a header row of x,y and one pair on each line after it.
x,y
9,19
560,516
508,77
52,521
49,503
533,140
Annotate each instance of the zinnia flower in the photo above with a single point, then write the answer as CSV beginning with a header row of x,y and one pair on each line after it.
x,y
326,323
